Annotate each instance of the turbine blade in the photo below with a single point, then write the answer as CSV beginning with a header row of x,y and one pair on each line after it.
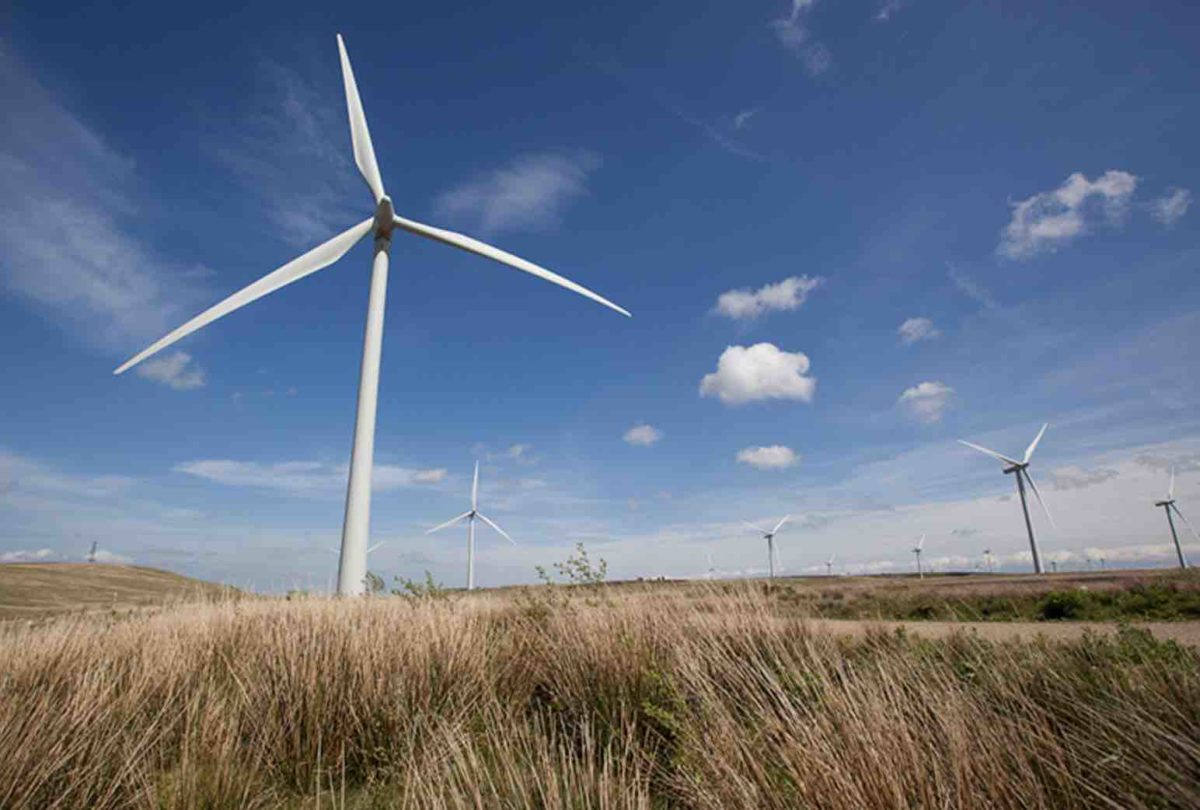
x,y
1186,522
470,245
1171,486
449,523
503,533
779,525
316,259
360,136
1033,486
755,527
998,456
1033,444
921,543
475,488
377,545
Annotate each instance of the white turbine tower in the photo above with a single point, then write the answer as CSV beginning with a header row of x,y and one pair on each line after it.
x,y
1169,505
769,536
470,516
352,565
917,550
1021,471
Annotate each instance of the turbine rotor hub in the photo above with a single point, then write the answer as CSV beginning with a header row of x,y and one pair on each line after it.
x,y
385,219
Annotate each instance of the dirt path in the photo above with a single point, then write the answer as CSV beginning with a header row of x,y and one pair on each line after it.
x,y
1182,632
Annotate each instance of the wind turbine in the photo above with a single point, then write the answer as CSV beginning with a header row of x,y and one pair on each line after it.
x,y
1021,470
91,557
987,559
920,545
769,536
829,566
382,224
1169,505
470,517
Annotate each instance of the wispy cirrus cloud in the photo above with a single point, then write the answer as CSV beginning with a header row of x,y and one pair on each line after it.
x,y
303,477
793,34
68,241
529,193
293,144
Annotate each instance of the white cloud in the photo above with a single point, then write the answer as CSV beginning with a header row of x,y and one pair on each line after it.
x,y
917,329
1171,207
432,476
1073,477
775,457
517,451
927,401
793,35
175,370
783,296
65,243
303,477
32,555
743,118
759,372
105,556
888,10
529,193
1049,219
642,435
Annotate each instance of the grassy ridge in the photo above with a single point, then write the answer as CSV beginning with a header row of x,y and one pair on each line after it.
x,y
1168,595
715,697
37,590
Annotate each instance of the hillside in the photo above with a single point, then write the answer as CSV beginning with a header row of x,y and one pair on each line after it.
x,y
35,590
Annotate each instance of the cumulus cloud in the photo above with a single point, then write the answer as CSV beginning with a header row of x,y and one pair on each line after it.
x,y
783,296
105,556
759,372
774,457
175,370
927,401
917,329
529,193
1050,219
302,477
793,34
642,435
1171,207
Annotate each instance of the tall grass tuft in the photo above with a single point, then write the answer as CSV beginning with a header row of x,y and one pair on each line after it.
x,y
713,698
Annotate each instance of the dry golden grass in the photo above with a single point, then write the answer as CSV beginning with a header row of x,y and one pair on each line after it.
x,y
655,697
37,590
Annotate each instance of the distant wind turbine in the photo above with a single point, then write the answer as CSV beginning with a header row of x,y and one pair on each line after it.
x,y
1168,504
1021,470
917,550
91,557
470,516
829,566
769,536
987,559
382,224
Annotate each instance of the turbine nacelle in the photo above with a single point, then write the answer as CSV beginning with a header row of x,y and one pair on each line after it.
x,y
385,219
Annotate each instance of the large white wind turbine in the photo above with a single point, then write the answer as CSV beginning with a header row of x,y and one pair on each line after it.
x,y
1021,470
470,516
352,565
917,550
769,536
1169,505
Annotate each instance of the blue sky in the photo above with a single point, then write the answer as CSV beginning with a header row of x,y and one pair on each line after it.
x,y
849,234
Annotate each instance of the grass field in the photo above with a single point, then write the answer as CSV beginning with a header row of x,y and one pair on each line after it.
x,y
657,695
38,590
